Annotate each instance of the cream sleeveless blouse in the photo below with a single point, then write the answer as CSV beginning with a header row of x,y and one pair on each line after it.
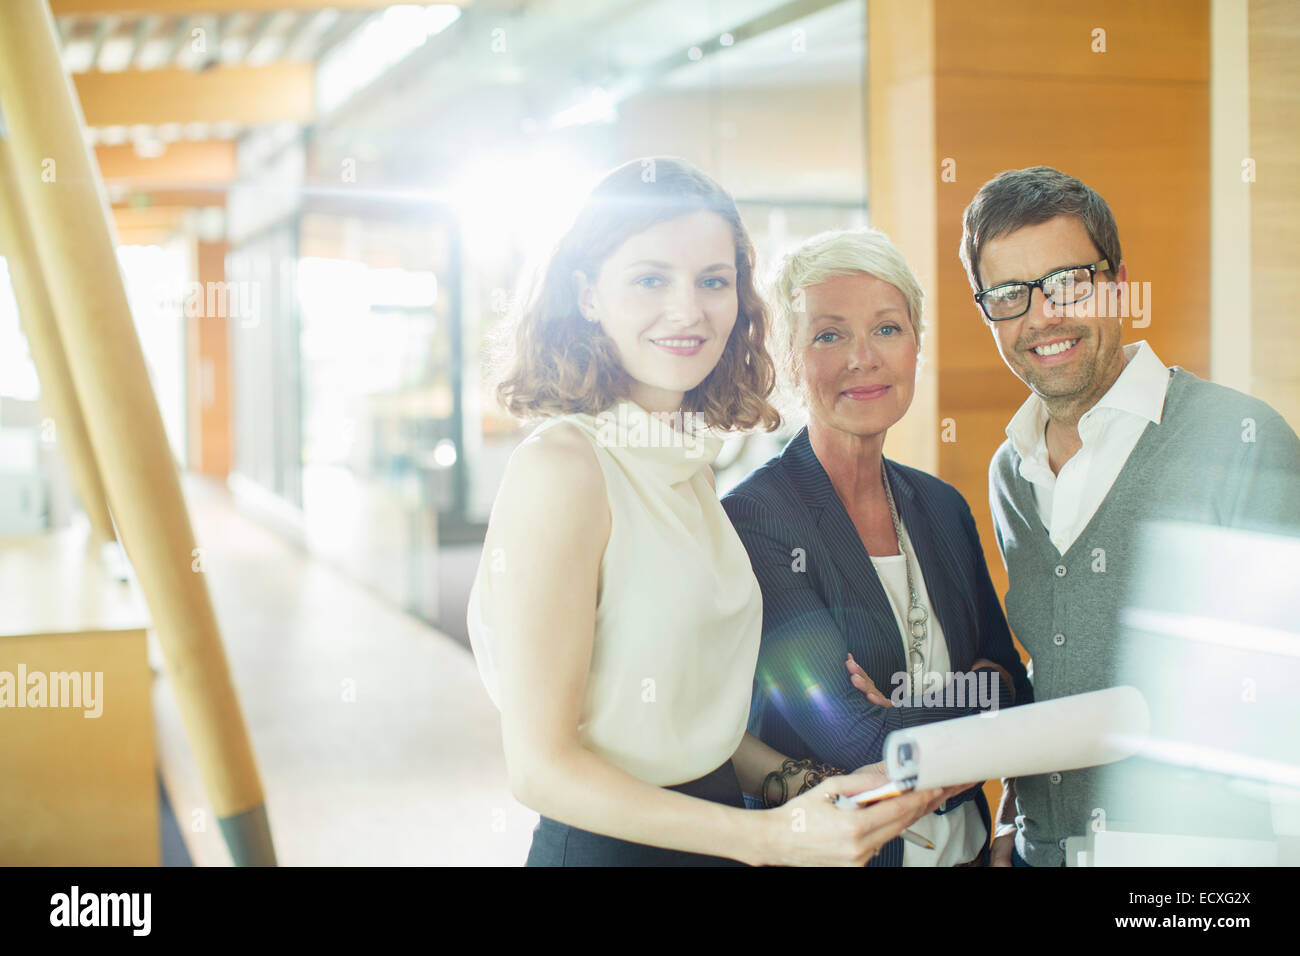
x,y
678,612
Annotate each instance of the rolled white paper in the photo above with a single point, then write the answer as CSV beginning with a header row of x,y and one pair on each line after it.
x,y
1084,730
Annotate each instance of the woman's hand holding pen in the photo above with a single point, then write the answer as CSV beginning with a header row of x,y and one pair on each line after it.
x,y
878,770
810,830
864,683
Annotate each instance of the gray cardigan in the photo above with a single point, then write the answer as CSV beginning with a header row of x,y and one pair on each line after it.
x,y
1217,457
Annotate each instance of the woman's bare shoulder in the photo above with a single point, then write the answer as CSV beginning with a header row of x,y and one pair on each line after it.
x,y
552,478
559,454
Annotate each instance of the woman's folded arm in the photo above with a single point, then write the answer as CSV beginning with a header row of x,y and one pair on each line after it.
x,y
801,669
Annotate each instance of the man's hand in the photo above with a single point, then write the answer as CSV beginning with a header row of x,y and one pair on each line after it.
x,y
858,677
1003,845
1002,672
1004,826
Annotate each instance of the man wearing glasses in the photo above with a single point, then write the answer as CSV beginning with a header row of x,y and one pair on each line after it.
x,y
1109,438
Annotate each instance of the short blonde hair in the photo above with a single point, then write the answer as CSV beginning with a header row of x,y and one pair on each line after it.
x,y
824,256
554,362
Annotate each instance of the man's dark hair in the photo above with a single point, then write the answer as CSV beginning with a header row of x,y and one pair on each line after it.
x,y
1027,197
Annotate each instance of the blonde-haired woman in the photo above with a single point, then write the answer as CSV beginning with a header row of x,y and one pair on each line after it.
x,y
614,616
872,572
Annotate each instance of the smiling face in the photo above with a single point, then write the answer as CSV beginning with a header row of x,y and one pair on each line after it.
x,y
1069,361
667,297
855,350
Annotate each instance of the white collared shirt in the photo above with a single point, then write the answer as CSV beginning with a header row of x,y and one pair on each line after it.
x,y
1109,432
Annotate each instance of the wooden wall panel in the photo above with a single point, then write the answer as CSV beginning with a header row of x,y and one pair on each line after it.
x,y
1154,40
1274,36
1140,137
901,189
1154,174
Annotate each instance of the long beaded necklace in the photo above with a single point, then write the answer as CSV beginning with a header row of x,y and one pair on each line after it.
x,y
917,623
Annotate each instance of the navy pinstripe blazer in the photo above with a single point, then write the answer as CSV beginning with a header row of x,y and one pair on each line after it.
x,y
831,603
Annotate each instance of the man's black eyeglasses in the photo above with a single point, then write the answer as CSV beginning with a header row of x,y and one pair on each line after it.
x,y
1068,286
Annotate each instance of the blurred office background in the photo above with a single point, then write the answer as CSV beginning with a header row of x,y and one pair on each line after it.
x,y
323,212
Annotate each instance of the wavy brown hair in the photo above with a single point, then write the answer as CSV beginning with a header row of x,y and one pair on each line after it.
x,y
554,362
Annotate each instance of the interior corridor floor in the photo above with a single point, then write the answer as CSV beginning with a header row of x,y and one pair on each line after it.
x,y
376,741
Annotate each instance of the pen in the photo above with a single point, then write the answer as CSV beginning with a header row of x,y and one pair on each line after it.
x,y
892,789
911,836
868,797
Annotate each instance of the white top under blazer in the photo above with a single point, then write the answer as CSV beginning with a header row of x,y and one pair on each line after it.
x,y
678,610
